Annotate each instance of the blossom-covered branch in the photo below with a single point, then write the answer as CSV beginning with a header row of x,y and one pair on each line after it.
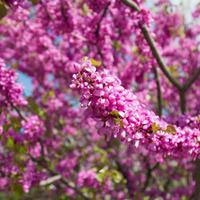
x,y
120,114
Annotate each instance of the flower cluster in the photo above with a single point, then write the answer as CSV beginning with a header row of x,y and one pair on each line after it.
x,y
119,113
98,5
66,165
30,176
55,136
87,178
10,91
33,128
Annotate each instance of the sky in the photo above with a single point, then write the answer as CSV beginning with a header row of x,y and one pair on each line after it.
x,y
26,82
188,6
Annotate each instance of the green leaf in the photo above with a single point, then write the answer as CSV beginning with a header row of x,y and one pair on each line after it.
x,y
95,63
85,9
46,96
21,149
103,156
184,198
102,174
34,2
119,122
35,108
6,127
171,129
116,176
117,118
155,128
89,192
15,123
10,143
117,45
115,113
17,190
137,196
3,10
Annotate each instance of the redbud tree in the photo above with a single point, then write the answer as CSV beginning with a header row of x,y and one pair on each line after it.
x,y
114,111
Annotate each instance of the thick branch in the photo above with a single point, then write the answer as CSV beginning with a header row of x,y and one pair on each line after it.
x,y
191,80
196,176
182,101
159,94
158,57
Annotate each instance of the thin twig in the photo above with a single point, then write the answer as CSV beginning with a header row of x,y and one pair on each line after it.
x,y
148,176
131,4
97,31
43,164
18,112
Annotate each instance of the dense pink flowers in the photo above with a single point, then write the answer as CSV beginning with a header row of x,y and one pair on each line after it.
x,y
30,176
98,5
51,146
87,178
33,128
66,165
10,91
119,113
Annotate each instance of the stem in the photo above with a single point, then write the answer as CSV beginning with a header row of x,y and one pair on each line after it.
x,y
182,101
43,164
191,80
149,39
149,176
196,177
124,172
97,31
131,4
101,19
159,94
19,112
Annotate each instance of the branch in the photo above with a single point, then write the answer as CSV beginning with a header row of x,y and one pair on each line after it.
x,y
98,29
148,176
159,94
42,163
191,80
182,101
18,112
50,180
101,19
196,177
150,41
125,174
131,4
